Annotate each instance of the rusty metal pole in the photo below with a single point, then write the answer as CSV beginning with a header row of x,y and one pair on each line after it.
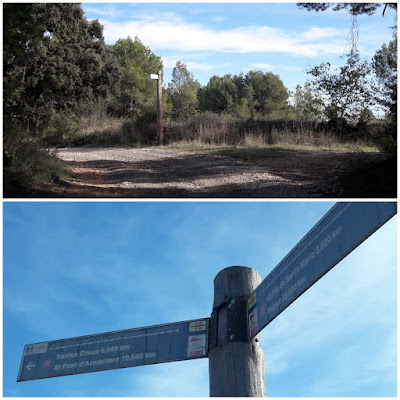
x,y
159,108
236,365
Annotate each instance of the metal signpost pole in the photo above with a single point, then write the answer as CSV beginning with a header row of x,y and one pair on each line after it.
x,y
236,365
159,108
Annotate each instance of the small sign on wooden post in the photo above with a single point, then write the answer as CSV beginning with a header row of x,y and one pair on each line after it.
x,y
158,77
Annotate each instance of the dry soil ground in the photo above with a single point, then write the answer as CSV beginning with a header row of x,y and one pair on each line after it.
x,y
165,173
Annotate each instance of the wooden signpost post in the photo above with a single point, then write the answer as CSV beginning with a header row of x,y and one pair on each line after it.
x,y
160,127
243,306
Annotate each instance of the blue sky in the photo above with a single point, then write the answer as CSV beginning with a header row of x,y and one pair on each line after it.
x,y
79,268
221,38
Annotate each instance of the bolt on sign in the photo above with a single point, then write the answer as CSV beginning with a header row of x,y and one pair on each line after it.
x,y
128,348
339,232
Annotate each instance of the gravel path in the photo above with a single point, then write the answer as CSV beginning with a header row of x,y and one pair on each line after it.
x,y
162,173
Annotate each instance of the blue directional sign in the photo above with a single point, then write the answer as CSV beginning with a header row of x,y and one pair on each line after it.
x,y
339,232
128,348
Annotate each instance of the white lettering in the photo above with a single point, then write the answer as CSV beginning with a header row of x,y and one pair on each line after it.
x,y
274,306
95,363
69,355
69,366
131,357
301,281
306,260
336,232
84,353
110,349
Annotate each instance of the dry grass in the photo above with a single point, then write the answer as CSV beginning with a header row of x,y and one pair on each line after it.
x,y
252,152
109,132
209,129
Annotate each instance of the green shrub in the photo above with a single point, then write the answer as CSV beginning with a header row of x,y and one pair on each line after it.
x,y
25,163
387,141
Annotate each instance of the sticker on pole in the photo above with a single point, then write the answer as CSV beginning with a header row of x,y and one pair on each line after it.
x,y
252,300
197,326
197,345
253,322
36,348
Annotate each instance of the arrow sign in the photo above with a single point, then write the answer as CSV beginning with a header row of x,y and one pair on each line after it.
x,y
128,348
340,231
30,366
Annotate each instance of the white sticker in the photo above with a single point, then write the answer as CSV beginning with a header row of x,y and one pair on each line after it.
x,y
252,300
197,345
253,322
37,348
197,326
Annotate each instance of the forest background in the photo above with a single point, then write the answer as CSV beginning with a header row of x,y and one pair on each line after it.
x,y
64,86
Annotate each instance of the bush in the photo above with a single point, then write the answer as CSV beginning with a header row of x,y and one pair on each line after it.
x,y
60,127
387,141
146,127
25,163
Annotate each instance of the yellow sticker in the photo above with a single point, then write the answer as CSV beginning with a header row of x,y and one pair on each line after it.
x,y
252,300
197,326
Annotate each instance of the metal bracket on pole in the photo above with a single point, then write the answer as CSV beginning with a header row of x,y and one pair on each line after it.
x,y
213,330
235,314
237,321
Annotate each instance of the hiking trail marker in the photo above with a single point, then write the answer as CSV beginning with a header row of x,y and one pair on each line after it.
x,y
242,308
338,233
128,348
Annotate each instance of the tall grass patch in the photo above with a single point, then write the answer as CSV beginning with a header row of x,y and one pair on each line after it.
x,y
213,129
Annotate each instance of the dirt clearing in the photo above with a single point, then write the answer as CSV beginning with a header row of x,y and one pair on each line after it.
x,y
165,173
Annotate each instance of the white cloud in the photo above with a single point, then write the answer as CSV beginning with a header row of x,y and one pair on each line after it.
x,y
320,33
173,33
292,68
170,62
108,11
263,66
378,368
162,378
202,67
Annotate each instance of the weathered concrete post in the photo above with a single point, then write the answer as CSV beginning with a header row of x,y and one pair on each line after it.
x,y
159,108
236,366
